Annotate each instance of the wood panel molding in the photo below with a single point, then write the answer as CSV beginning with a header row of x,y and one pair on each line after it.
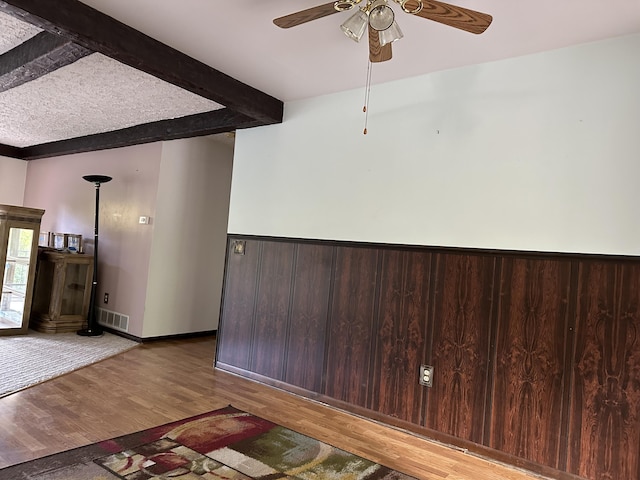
x,y
460,344
531,345
606,376
271,313
400,337
536,356
309,309
351,325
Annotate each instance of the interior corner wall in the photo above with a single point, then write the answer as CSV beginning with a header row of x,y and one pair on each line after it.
x,y
189,242
13,177
533,153
56,185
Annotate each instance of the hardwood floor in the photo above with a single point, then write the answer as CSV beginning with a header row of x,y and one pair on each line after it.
x,y
160,382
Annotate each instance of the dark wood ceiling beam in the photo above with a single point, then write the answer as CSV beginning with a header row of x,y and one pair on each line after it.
x,y
208,123
9,151
36,57
98,32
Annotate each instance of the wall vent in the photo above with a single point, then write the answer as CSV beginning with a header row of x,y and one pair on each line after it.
x,y
117,321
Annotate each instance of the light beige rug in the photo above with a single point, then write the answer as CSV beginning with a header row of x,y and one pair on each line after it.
x,y
27,360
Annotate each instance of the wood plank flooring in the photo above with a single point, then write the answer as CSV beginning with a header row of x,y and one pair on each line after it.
x,y
159,382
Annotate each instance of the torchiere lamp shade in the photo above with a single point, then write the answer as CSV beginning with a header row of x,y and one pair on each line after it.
x,y
97,178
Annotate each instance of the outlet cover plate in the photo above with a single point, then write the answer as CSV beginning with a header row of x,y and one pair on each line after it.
x,y
426,375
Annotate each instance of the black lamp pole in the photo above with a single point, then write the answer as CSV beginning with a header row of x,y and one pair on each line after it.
x,y
93,329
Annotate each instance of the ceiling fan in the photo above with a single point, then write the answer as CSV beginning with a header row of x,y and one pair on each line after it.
x,y
378,18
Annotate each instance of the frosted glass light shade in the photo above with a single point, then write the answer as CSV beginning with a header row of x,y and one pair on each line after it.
x,y
381,16
391,34
355,26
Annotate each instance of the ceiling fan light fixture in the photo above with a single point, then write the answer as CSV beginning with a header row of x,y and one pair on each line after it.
x,y
355,26
411,6
343,5
391,34
381,15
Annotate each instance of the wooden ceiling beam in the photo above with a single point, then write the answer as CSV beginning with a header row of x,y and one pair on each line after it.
x,y
9,151
208,123
36,57
98,32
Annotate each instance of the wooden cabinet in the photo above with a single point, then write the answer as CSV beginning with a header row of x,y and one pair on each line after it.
x,y
62,292
19,231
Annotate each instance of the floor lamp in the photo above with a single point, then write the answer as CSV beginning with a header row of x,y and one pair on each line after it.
x,y
93,329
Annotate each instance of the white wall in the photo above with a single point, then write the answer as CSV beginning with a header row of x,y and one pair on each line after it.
x,y
167,276
56,184
535,153
13,177
189,241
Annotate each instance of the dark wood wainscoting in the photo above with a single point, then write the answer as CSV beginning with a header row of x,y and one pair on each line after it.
x,y
460,348
604,436
536,356
400,336
532,341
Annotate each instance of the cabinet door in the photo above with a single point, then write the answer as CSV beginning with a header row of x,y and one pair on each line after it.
x,y
75,289
17,279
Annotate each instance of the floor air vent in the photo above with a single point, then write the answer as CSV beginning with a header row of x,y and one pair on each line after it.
x,y
117,321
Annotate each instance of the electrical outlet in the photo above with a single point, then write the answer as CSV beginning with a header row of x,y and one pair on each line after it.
x,y
106,298
426,375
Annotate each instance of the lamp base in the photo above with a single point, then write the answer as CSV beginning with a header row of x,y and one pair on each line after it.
x,y
91,332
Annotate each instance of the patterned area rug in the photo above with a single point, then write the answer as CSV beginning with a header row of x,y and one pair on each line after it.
x,y
224,444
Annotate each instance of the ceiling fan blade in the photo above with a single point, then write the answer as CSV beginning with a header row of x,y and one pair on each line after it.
x,y
304,16
378,53
457,17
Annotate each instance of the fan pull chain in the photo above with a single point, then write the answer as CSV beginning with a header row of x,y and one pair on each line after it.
x,y
367,91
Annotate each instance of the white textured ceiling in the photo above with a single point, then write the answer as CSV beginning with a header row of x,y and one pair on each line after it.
x,y
95,94
13,32
92,95
238,38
